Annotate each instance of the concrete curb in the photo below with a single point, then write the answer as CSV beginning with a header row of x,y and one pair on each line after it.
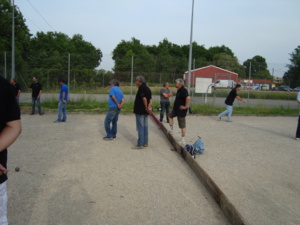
x,y
221,199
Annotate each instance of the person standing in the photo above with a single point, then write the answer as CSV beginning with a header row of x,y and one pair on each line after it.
x,y
179,110
142,107
298,127
10,129
36,89
165,94
115,103
229,102
16,88
62,104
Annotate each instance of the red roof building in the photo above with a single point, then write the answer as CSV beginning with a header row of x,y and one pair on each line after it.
x,y
214,72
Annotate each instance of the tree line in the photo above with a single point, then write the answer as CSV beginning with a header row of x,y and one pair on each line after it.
x,y
46,55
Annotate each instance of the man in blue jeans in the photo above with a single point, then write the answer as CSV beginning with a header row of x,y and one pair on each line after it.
x,y
165,94
115,103
229,102
36,89
142,107
62,104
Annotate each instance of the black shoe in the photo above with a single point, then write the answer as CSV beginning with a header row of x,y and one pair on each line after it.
x,y
41,114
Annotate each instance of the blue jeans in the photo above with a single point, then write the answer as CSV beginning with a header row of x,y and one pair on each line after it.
x,y
34,99
112,117
142,129
165,106
228,111
62,111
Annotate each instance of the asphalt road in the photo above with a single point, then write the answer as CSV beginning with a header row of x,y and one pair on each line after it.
x,y
26,97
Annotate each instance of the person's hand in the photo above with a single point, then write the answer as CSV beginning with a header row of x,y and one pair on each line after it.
x,y
244,101
64,101
2,170
182,107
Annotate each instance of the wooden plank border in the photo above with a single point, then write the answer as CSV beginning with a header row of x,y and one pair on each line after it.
x,y
217,194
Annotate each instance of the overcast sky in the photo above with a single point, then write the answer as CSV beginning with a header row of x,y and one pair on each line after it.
x,y
269,28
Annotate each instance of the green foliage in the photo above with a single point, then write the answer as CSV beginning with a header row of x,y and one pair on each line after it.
x,y
259,68
22,37
292,76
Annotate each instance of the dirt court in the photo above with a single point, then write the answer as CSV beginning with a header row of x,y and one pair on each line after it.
x,y
69,175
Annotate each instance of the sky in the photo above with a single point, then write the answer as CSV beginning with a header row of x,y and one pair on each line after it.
x,y
269,28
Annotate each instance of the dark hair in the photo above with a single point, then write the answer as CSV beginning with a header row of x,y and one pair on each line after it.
x,y
165,84
237,86
61,80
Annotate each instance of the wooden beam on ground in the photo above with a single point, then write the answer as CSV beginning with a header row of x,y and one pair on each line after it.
x,y
221,199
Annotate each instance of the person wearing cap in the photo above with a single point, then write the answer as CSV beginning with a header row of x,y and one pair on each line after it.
x,y
115,103
62,104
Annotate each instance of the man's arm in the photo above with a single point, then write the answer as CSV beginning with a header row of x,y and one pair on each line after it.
x,y
63,98
187,103
39,94
10,133
239,98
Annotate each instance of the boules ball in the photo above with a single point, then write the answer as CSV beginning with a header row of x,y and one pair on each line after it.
x,y
17,169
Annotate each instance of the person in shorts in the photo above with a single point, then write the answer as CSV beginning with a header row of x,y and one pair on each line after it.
x,y
10,129
180,108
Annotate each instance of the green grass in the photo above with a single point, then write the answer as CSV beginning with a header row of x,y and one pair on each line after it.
x,y
88,105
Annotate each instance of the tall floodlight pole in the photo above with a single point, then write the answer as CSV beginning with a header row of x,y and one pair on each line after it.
x,y
69,61
131,76
191,48
13,42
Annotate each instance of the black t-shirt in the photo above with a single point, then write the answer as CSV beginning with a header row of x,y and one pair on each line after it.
x,y
143,91
9,111
180,99
16,88
230,98
36,88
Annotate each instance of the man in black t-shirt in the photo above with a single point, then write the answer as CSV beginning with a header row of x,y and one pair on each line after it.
x,y
142,107
10,128
36,89
229,102
16,88
179,110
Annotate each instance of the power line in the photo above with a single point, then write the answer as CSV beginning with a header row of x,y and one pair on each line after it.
x,y
40,15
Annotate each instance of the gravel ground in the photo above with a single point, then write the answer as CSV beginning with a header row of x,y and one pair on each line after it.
x,y
69,175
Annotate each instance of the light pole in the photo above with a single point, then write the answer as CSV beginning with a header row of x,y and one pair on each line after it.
x,y
191,48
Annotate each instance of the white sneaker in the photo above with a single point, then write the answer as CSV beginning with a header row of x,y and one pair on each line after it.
x,y
170,131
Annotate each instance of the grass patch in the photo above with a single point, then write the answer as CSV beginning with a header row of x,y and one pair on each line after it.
x,y
89,105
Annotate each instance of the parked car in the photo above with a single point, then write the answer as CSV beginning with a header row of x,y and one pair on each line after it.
x,y
275,89
285,88
297,89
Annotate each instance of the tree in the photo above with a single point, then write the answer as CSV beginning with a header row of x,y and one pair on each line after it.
x,y
292,76
259,68
144,62
22,36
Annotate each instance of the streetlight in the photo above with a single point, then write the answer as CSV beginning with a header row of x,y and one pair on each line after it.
x,y
216,82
